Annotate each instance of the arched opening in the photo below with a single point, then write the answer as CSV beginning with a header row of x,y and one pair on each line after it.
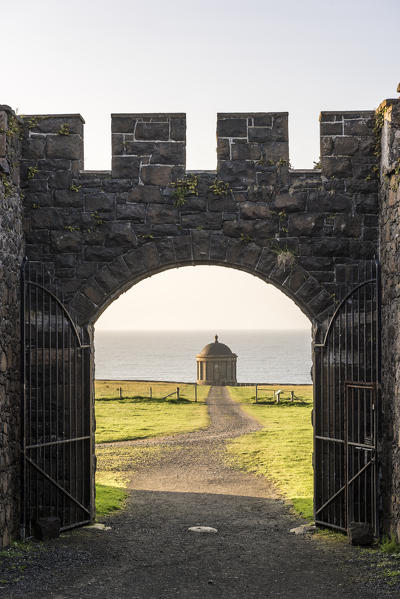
x,y
151,334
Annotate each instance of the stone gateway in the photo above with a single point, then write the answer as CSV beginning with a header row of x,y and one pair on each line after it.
x,y
216,365
94,234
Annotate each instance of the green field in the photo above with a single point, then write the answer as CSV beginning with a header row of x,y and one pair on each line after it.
x,y
282,450
139,416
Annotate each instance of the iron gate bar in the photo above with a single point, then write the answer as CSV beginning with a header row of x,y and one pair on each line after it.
x,y
348,353
56,454
58,442
55,483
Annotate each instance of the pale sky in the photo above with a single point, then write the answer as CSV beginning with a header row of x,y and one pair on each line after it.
x,y
202,297
200,57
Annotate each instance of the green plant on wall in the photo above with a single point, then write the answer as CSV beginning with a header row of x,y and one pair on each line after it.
x,y
285,258
7,185
184,188
219,188
64,130
32,172
245,238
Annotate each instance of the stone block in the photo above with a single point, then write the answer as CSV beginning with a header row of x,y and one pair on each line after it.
x,y
178,128
103,202
201,245
326,146
46,218
345,145
33,148
305,225
125,167
266,262
145,194
183,248
231,127
347,225
67,241
166,251
208,220
331,128
260,134
156,175
47,528
162,214
262,120
151,258
333,166
55,123
218,247
287,202
238,173
64,146
152,131
60,180
244,150
223,149
120,234
101,254
118,144
250,211
133,212
169,153
67,198
360,533
363,127
123,123
134,261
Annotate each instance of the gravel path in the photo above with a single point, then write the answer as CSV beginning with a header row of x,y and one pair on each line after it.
x,y
149,553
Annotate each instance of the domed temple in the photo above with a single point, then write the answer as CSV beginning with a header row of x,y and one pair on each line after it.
x,y
216,365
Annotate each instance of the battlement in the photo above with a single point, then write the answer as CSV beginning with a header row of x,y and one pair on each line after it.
x,y
150,148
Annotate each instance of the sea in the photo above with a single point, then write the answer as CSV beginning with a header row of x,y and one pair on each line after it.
x,y
263,356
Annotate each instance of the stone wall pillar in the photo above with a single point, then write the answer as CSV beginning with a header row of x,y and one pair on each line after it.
x,y
149,149
252,148
11,255
388,122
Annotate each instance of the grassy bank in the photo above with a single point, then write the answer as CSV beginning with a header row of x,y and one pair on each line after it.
x,y
282,450
138,416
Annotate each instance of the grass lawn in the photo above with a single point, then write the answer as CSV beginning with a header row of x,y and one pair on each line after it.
x,y
138,416
282,450
115,466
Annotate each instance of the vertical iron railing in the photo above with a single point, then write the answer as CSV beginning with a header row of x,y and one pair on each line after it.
x,y
56,447
347,359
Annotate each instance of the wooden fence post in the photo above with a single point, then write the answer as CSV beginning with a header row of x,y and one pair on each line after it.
x,y
120,392
177,393
151,393
256,393
195,392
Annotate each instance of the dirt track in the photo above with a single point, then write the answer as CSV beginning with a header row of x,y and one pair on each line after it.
x,y
151,554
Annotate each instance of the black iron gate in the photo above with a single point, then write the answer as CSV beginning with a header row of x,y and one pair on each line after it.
x,y
57,449
346,394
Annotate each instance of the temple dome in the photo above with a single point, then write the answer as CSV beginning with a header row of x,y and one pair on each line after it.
x,y
215,349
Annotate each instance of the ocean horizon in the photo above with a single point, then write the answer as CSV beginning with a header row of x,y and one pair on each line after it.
x,y
263,356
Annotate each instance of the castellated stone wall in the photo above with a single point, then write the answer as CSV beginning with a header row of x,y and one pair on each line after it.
x,y
389,115
11,249
100,232
104,231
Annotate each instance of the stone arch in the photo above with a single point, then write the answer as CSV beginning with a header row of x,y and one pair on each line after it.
x,y
200,248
